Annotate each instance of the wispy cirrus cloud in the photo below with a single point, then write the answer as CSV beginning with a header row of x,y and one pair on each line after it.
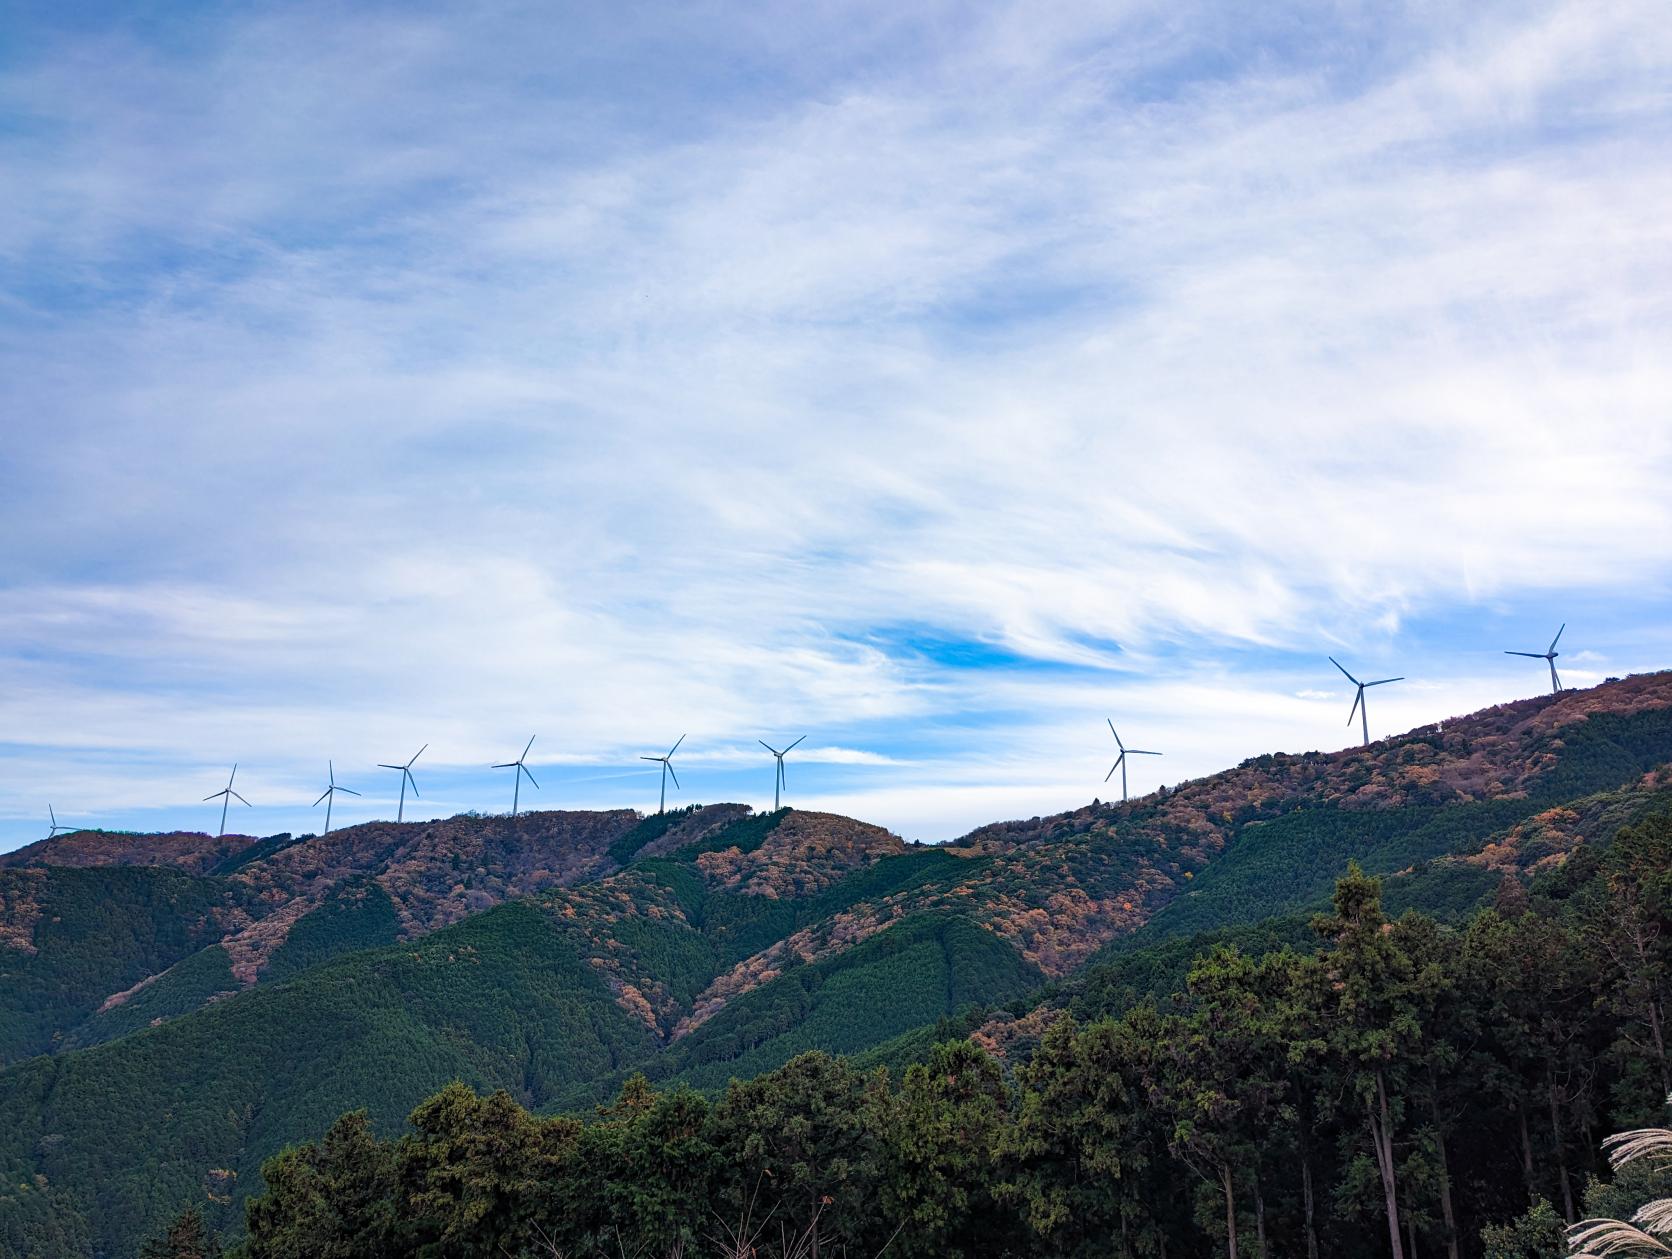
x,y
381,372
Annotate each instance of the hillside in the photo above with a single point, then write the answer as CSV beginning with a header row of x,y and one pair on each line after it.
x,y
204,1017
256,908
500,1000
72,937
1265,838
545,997
191,851
1478,1061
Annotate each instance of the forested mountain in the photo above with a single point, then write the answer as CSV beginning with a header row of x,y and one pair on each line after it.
x,y
1377,1087
174,1010
129,940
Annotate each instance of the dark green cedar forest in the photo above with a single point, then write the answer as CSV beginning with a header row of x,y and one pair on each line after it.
x,y
1392,1087
1380,1002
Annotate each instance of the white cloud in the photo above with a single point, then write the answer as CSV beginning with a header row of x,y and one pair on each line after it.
x,y
397,376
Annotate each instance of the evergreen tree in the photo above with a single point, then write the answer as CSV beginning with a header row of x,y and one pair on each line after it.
x,y
480,1171
339,1198
1633,927
185,1238
800,1151
940,1141
1086,1136
1380,994
646,1170
1224,1084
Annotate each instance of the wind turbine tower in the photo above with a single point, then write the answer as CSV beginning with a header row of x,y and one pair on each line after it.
x,y
522,768
667,768
406,777
1360,709
1120,761
226,796
329,795
1549,657
778,780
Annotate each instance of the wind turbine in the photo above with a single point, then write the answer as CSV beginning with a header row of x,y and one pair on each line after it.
x,y
1360,708
1549,657
406,777
55,826
329,795
516,791
667,768
778,782
1120,761
226,797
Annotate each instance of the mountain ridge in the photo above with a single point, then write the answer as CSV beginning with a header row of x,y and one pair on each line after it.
x,y
712,940
1058,888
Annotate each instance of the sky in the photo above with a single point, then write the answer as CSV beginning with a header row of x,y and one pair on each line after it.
x,y
935,381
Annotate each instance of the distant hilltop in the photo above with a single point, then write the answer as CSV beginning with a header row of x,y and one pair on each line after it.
x,y
192,851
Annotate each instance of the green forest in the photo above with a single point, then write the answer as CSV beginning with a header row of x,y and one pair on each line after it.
x,y
1386,1086
1167,1027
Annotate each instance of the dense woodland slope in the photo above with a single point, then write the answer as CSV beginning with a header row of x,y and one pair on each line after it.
x,y
176,1009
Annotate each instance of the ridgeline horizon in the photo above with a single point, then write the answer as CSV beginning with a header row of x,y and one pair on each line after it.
x,y
515,812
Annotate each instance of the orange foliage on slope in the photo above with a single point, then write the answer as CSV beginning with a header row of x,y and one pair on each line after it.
x,y
191,851
20,910
805,853
1003,1033
1060,887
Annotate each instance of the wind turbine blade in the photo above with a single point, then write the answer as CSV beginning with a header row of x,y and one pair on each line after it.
x,y
242,801
1140,752
381,765
528,745
675,747
216,796
1357,700
524,769
507,764
1558,637
793,744
321,799
350,790
769,747
657,759
413,781
671,774
1384,681
1531,655
1344,673
1111,773
52,815
416,755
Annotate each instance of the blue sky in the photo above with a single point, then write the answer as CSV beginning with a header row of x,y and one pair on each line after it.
x,y
934,380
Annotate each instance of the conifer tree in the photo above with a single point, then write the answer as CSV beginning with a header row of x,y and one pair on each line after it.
x,y
185,1238
941,1134
1379,996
